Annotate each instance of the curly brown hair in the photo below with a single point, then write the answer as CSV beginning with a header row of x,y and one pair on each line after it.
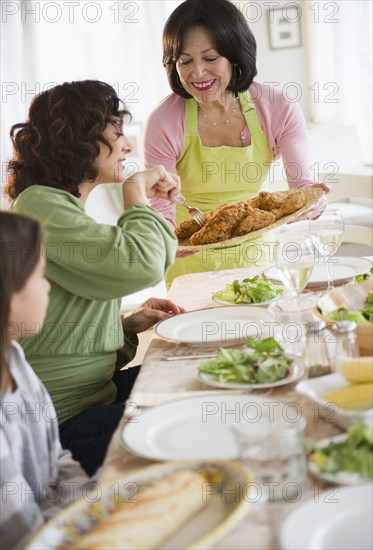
x,y
59,143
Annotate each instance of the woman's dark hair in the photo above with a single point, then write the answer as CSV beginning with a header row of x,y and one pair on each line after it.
x,y
232,35
20,248
58,144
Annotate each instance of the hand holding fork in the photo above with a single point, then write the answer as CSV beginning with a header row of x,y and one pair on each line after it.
x,y
197,214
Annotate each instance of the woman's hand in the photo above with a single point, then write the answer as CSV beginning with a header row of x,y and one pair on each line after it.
x,y
148,314
317,209
153,183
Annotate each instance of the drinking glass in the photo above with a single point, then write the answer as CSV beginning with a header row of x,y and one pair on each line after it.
x,y
294,260
290,319
273,448
326,234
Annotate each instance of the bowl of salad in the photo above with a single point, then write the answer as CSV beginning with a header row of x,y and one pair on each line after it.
x,y
352,302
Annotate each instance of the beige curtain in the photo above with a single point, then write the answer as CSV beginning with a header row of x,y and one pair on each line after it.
x,y
340,65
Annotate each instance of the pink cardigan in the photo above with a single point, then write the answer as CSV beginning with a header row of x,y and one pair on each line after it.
x,y
282,121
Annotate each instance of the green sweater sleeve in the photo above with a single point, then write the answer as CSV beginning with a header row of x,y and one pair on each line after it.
x,y
97,261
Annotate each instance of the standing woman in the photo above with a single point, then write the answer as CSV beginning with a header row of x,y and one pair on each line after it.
x,y
72,141
219,130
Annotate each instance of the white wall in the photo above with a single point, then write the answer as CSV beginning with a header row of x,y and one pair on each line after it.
x,y
286,67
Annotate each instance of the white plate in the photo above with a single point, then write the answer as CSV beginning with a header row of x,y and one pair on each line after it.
x,y
196,428
314,388
341,478
226,303
215,518
210,380
338,519
220,325
344,269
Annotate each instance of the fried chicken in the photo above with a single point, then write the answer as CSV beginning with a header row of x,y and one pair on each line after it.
x,y
257,219
221,223
282,203
189,226
261,219
257,201
186,228
295,200
244,217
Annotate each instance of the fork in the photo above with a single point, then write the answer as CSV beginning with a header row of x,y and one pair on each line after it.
x,y
198,215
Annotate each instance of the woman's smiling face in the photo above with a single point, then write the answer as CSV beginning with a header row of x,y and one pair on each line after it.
x,y
203,72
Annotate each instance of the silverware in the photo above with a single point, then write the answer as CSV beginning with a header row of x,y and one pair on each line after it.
x,y
181,357
198,215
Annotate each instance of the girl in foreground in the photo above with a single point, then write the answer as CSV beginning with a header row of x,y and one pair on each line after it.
x,y
38,477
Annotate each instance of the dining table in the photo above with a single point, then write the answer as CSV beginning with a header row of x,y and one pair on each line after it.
x,y
161,381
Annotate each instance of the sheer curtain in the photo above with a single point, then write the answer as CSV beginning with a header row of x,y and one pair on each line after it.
x,y
117,41
340,62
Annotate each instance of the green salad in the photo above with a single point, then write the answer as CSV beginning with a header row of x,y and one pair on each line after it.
x,y
248,291
361,316
264,364
354,455
363,276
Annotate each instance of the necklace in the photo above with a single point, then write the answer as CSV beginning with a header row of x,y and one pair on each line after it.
x,y
214,123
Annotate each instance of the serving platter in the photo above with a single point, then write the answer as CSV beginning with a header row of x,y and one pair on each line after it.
x,y
218,515
313,195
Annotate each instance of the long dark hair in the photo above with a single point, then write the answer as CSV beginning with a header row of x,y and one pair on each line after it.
x,y
20,247
58,144
232,35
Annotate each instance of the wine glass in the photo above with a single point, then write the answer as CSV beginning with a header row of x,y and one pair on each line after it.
x,y
294,260
326,232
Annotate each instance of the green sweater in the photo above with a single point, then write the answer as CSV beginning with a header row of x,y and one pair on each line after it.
x,y
90,267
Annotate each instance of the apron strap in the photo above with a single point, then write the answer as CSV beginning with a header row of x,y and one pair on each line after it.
x,y
250,113
191,117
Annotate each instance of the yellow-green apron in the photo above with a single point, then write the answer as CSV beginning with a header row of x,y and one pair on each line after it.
x,y
211,176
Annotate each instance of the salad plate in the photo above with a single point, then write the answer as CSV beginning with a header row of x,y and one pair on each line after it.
x,y
251,291
216,325
341,477
210,380
344,269
257,304
223,302
215,518
338,519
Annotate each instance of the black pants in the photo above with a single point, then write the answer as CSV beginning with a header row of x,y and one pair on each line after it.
x,y
87,435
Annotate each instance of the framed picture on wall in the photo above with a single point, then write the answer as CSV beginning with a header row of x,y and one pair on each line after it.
x,y
284,27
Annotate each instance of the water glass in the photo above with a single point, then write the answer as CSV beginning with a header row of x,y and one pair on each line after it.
x,y
327,232
290,317
273,448
294,260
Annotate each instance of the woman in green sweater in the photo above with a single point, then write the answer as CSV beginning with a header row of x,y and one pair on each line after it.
x,y
71,142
